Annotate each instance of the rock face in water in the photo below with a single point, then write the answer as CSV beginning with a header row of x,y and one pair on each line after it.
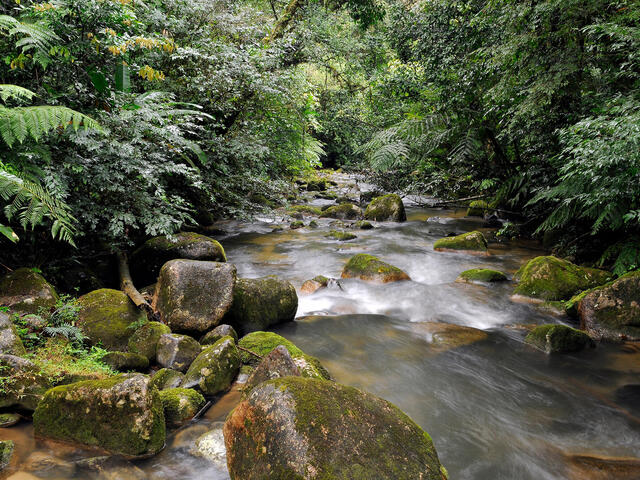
x,y
481,275
306,429
344,211
388,208
551,278
612,312
341,236
47,466
471,242
25,291
192,295
446,336
144,341
105,316
24,385
180,405
10,342
277,364
259,303
372,269
588,467
121,414
215,368
147,260
558,339
177,351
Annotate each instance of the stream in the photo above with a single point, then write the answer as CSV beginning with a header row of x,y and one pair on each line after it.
x,y
495,408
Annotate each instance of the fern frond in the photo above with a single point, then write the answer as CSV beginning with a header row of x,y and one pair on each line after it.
x,y
8,91
34,35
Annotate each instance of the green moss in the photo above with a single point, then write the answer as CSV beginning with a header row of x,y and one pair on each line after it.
x,y
180,405
386,208
368,267
297,224
8,420
470,241
126,361
558,339
166,378
317,185
26,291
145,339
481,275
6,452
215,368
304,209
341,236
181,241
363,225
344,211
477,208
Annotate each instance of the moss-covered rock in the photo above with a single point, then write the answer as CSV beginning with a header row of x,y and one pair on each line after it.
x,y
470,242
180,405
126,361
551,278
372,269
259,303
217,333
192,295
481,275
308,209
300,428
23,384
105,317
262,343
363,225
388,208
477,208
147,260
144,340
6,452
611,312
313,224
26,291
8,419
315,284
344,211
215,368
558,339
341,236
166,378
121,414
177,351
316,185
278,363
9,340
296,225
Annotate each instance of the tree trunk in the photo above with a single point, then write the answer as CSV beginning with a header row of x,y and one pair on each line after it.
x,y
285,19
127,286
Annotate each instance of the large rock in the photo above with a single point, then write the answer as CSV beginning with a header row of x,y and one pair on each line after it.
x,y
443,337
344,211
121,414
144,340
470,242
217,333
612,312
277,364
388,208
551,278
26,291
166,378
558,339
262,343
177,351
44,465
210,446
477,208
215,368
125,361
9,340
23,385
481,275
193,295
315,284
105,316
259,303
147,260
180,405
310,429
372,269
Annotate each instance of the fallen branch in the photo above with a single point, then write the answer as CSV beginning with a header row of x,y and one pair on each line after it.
x,y
127,286
249,351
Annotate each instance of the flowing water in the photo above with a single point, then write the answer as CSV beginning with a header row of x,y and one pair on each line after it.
x,y
495,407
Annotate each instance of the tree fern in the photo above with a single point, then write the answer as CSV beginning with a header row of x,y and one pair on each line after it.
x,y
34,36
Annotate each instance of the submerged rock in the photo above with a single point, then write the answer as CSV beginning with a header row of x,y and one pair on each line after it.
x,y
180,405
315,284
388,208
307,428
591,467
481,275
262,343
47,466
108,468
121,414
259,303
341,236
296,225
147,260
177,351
372,269
166,378
105,317
612,312
470,242
319,185
10,342
145,339
125,361
215,368
344,211
363,225
477,208
217,333
443,337
308,209
558,339
210,445
193,295
26,291
551,278
276,364
23,383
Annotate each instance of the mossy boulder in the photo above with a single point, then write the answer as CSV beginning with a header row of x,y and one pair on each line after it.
x,y
363,225
217,333
318,185
193,295
23,384
9,419
301,428
126,361
215,368
26,291
177,351
147,260
470,242
388,208
166,378
105,316
552,278
481,275
372,269
122,415
277,363
9,340
296,225
612,312
259,303
180,405
262,343
144,340
341,236
6,452
304,209
558,339
477,208
344,211
315,284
